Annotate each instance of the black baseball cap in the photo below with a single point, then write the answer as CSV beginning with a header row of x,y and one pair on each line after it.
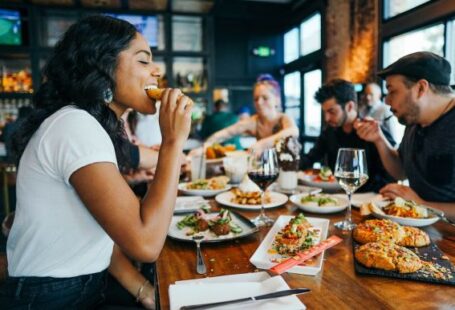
x,y
421,65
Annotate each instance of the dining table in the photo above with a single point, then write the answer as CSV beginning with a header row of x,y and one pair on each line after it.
x,y
336,286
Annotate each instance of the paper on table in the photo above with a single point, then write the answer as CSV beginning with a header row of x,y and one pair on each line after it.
x,y
197,292
185,204
361,198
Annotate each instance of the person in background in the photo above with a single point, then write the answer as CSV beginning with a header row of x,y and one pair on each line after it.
x,y
372,106
268,124
11,127
244,112
218,120
421,98
339,105
73,204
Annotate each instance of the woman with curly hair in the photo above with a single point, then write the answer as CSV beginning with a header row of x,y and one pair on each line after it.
x,y
72,202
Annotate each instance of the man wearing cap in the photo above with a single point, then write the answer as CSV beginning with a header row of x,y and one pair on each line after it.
x,y
420,97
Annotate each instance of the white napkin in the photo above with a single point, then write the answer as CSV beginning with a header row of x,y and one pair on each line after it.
x,y
362,198
190,203
202,291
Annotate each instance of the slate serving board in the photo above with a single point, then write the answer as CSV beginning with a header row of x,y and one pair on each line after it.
x,y
429,253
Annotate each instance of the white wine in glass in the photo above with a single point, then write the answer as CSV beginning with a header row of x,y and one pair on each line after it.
x,y
351,172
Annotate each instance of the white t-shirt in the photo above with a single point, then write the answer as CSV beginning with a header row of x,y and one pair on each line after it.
x,y
53,232
148,129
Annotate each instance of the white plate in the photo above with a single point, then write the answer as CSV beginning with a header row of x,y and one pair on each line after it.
x,y
277,199
190,204
299,189
343,203
181,234
361,198
307,179
215,289
201,192
264,260
409,221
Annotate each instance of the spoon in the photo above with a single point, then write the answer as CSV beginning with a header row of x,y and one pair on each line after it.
x,y
200,265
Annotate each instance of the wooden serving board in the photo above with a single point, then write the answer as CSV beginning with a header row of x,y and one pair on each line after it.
x,y
429,253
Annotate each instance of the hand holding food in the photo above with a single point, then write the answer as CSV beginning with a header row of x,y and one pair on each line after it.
x,y
175,116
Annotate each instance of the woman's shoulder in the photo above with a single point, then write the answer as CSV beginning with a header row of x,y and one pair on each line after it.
x,y
70,116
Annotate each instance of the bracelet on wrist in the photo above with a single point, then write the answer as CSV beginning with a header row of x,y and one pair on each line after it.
x,y
139,291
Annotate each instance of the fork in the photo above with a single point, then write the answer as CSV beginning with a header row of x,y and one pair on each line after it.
x,y
200,265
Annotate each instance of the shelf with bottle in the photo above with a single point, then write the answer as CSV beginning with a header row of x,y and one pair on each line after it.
x,y
9,108
15,75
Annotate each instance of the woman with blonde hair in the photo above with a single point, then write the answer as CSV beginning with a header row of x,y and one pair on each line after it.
x,y
268,125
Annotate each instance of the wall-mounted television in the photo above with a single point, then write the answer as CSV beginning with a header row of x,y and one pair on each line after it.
x,y
146,25
10,27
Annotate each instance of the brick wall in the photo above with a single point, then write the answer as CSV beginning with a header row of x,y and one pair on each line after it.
x,y
351,40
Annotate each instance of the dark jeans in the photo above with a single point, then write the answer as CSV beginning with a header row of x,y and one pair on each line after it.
x,y
82,292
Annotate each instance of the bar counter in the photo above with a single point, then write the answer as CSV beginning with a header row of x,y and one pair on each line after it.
x,y
337,286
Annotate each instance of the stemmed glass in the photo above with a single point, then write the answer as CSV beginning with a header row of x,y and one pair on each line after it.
x,y
351,172
263,170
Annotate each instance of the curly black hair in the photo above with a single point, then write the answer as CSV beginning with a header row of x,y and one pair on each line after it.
x,y
78,73
342,90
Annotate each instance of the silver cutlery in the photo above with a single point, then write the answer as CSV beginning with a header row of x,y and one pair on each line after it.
x,y
441,215
200,265
255,298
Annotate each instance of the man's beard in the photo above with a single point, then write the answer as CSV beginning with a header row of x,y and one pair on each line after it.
x,y
412,112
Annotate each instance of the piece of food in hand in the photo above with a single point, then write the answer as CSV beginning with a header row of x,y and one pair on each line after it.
x,y
153,92
296,236
388,256
378,230
405,208
414,237
319,201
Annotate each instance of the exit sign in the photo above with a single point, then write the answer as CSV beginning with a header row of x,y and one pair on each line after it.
x,y
263,51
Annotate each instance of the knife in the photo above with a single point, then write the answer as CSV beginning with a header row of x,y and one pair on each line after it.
x,y
260,297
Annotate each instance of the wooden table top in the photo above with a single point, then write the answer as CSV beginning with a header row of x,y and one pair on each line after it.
x,y
337,286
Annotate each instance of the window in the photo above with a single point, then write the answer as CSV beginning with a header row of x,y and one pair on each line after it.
x,y
395,7
291,45
292,96
310,35
312,80
190,74
450,47
429,39
187,33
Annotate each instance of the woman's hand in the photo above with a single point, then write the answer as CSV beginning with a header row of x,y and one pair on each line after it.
x,y
258,147
175,116
394,190
147,297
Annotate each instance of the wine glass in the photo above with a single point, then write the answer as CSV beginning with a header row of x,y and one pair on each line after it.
x,y
263,170
351,173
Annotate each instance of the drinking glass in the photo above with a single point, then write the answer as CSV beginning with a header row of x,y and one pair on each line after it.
x,y
263,170
351,173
